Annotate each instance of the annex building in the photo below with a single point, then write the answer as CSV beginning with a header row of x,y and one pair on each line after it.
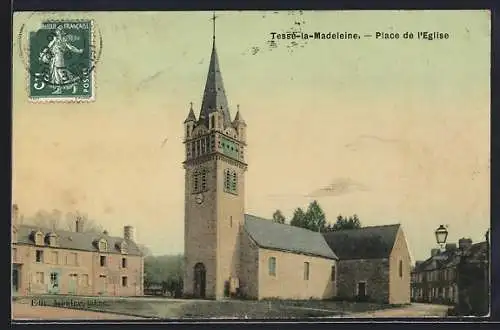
x,y
230,253
47,261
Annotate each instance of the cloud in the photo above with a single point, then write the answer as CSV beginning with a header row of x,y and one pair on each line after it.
x,y
338,187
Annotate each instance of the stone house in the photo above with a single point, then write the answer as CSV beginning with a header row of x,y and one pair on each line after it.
x,y
455,276
228,252
374,263
46,261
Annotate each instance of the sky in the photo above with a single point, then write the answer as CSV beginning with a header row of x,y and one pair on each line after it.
x,y
395,131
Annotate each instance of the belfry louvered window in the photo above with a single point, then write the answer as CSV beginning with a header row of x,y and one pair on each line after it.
x,y
230,181
200,180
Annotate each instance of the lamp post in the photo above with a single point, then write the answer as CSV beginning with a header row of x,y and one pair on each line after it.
x,y
441,235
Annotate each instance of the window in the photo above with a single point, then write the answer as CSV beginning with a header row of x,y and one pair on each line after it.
x,y
72,259
333,274
14,253
212,122
231,221
123,247
204,180
103,245
361,289
54,257
39,278
124,281
230,181
39,255
53,240
103,261
84,280
400,268
272,266
196,178
54,280
306,271
124,262
39,238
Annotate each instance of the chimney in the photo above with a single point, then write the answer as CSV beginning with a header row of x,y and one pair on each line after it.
x,y
451,247
15,214
434,252
464,243
79,224
129,233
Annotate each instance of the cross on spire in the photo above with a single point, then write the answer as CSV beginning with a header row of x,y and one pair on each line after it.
x,y
213,22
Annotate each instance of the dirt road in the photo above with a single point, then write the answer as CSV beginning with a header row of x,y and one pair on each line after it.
x,y
28,312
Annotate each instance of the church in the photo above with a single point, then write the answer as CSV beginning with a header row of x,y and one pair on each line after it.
x,y
229,253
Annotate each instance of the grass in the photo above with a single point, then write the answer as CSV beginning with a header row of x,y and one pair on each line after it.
x,y
165,308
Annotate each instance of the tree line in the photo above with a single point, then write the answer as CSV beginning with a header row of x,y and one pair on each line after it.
x,y
313,218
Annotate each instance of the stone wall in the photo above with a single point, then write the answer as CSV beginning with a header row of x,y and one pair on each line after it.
x,y
249,269
374,272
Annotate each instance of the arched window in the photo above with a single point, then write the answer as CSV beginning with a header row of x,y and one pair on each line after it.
x,y
400,268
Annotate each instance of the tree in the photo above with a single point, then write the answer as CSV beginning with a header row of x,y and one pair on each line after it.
x,y
167,271
53,220
315,217
344,223
299,218
278,217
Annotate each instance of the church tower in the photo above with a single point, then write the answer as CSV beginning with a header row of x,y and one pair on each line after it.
x,y
214,191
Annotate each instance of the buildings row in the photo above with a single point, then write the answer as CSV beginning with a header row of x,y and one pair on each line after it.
x,y
51,261
458,275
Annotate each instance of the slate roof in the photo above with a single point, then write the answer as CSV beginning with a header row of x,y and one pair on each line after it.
x,y
274,236
451,258
85,241
374,242
214,96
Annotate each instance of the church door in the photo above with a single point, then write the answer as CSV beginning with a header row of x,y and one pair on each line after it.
x,y
199,280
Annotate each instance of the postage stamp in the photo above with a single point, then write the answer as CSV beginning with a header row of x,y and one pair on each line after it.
x,y
61,61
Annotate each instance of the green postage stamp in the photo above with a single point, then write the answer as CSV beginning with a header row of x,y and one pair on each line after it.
x,y
61,61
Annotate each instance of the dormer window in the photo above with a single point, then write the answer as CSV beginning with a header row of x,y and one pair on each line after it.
x,y
39,238
14,234
53,239
123,247
103,245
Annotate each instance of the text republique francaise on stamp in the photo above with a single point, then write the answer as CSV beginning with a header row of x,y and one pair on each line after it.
x,y
61,60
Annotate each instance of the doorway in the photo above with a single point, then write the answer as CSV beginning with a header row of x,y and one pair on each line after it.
x,y
73,283
199,280
54,282
15,279
361,290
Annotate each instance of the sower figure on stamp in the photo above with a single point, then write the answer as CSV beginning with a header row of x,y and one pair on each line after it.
x,y
53,55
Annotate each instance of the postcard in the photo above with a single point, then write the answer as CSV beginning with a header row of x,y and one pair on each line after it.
x,y
250,165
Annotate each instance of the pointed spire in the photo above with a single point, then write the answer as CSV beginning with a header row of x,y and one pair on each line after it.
x,y
239,118
191,116
214,96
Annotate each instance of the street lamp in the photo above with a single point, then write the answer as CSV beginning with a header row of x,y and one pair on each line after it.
x,y
441,235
